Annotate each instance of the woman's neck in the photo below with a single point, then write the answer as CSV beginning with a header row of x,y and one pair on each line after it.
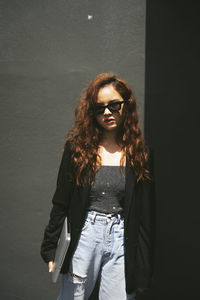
x,y
109,142
109,137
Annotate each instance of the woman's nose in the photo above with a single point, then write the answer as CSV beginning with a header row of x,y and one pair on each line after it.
x,y
107,111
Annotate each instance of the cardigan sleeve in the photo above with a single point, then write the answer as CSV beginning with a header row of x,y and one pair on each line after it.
x,y
145,254
147,208
60,201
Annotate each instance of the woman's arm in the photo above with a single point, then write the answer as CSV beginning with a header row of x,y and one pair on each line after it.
x,y
61,201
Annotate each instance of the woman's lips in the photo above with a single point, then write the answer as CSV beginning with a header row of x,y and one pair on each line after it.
x,y
109,121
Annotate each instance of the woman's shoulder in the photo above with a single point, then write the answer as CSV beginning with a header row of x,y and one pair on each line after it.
x,y
149,151
67,151
68,147
150,160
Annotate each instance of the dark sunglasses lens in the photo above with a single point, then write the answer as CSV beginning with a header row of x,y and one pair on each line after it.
x,y
99,109
115,106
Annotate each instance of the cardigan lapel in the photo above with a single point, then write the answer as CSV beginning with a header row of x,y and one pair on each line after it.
x,y
129,188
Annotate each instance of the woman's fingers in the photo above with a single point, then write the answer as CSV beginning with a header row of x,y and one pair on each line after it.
x,y
51,266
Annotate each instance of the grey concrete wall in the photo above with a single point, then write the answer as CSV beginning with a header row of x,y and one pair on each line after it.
x,y
49,52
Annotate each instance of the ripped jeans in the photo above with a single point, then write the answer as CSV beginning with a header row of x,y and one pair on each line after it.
x,y
99,256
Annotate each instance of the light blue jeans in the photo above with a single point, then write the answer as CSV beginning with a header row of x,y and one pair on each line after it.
x,y
99,255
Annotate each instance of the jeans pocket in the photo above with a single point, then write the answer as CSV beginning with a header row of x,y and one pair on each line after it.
x,y
85,225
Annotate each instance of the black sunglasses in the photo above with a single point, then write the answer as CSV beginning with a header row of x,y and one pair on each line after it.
x,y
113,107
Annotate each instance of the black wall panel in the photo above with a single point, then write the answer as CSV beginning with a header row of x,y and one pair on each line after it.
x,y
171,127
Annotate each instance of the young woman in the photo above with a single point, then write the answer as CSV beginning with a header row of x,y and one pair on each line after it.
x,y
105,187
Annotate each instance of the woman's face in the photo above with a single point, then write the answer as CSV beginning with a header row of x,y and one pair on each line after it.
x,y
111,117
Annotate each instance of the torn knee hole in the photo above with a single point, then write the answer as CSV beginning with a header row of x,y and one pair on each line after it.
x,y
77,278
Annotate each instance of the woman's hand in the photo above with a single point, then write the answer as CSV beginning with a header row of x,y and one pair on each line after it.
x,y
51,266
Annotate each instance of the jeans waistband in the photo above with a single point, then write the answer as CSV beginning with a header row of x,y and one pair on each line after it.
x,y
95,215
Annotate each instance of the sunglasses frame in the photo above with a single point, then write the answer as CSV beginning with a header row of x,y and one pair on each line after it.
x,y
103,107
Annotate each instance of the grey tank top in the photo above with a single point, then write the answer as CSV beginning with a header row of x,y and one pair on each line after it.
x,y
107,193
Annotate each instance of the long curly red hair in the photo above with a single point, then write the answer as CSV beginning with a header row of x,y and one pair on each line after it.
x,y
86,134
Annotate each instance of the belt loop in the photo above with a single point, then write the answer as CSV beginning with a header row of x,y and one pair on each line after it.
x,y
93,217
118,218
108,218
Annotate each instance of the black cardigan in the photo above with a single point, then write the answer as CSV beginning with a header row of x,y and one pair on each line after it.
x,y
72,201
